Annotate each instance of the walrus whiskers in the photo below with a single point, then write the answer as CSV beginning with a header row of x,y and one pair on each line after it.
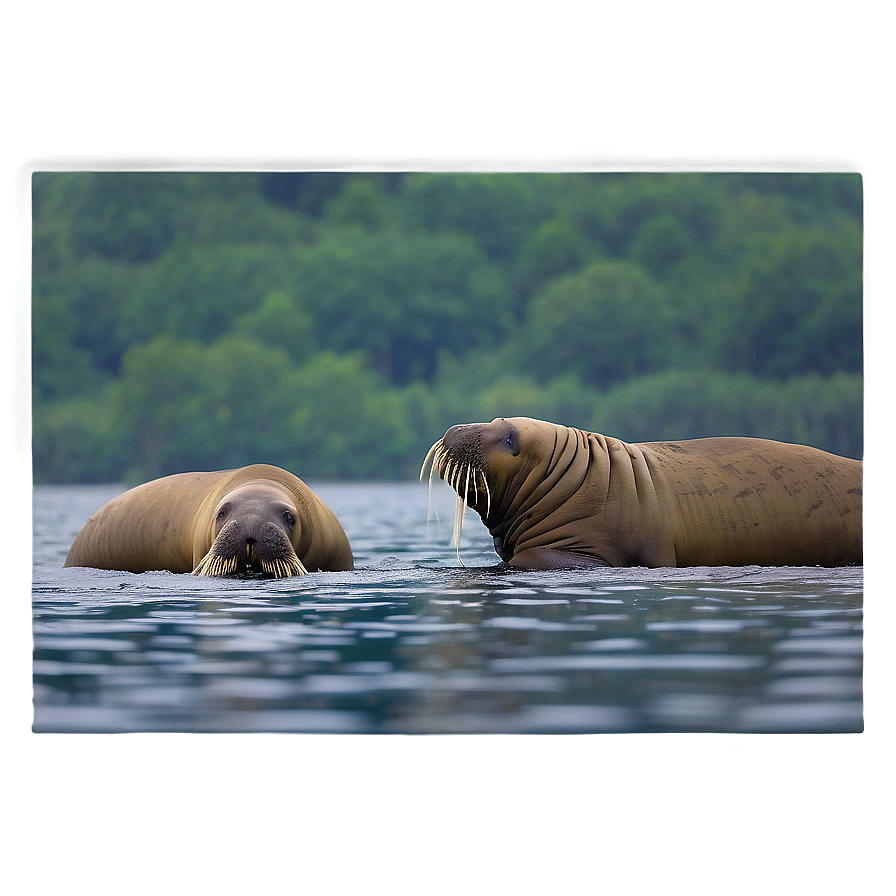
x,y
279,568
460,507
488,494
215,565
434,449
284,567
458,474
434,453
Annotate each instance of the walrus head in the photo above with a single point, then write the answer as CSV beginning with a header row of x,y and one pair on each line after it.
x,y
253,531
471,455
488,465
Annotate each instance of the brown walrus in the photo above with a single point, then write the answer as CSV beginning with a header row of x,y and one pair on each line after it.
x,y
256,520
556,497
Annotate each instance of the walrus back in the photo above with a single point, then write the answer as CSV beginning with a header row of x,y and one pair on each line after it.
x,y
141,529
752,501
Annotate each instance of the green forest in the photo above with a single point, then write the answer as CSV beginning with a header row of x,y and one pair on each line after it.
x,y
337,323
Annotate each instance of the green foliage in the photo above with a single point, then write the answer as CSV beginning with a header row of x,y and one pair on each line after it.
x,y
809,197
660,243
345,423
179,405
400,299
125,217
607,323
676,404
361,202
234,214
82,306
158,398
554,247
305,191
77,440
629,202
278,323
496,210
198,292
336,324
798,305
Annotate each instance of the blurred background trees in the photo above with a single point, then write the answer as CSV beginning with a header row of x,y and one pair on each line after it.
x,y
337,323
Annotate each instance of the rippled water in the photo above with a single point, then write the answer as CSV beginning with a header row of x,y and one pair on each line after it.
x,y
411,642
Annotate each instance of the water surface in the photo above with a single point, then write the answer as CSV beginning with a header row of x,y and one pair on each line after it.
x,y
413,642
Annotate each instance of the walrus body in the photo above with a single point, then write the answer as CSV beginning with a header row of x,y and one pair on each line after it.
x,y
256,519
554,497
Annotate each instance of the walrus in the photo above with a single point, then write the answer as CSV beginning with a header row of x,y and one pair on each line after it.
x,y
257,520
557,497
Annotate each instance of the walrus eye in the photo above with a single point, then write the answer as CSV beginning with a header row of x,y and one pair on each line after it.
x,y
510,440
290,519
220,516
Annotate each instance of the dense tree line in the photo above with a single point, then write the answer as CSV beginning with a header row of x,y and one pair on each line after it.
x,y
337,323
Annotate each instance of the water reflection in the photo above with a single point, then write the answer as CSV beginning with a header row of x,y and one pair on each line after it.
x,y
411,643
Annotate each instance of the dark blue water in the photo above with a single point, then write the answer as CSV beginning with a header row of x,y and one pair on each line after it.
x,y
412,642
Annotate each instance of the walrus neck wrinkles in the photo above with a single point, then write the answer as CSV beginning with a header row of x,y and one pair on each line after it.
x,y
585,476
636,542
539,492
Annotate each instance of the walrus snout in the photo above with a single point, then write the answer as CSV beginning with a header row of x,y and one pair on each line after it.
x,y
462,444
247,545
462,433
253,537
462,458
474,441
459,460
470,444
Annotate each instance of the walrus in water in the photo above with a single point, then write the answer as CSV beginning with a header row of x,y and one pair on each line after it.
x,y
556,497
253,520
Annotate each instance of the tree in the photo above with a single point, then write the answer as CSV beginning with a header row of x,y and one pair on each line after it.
x,y
197,292
609,322
126,216
495,210
661,243
279,323
684,404
88,300
159,406
400,299
345,423
553,248
231,211
798,304
362,201
307,191
342,321
617,206
810,197
77,440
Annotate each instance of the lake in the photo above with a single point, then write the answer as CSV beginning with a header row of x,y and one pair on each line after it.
x,y
412,642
